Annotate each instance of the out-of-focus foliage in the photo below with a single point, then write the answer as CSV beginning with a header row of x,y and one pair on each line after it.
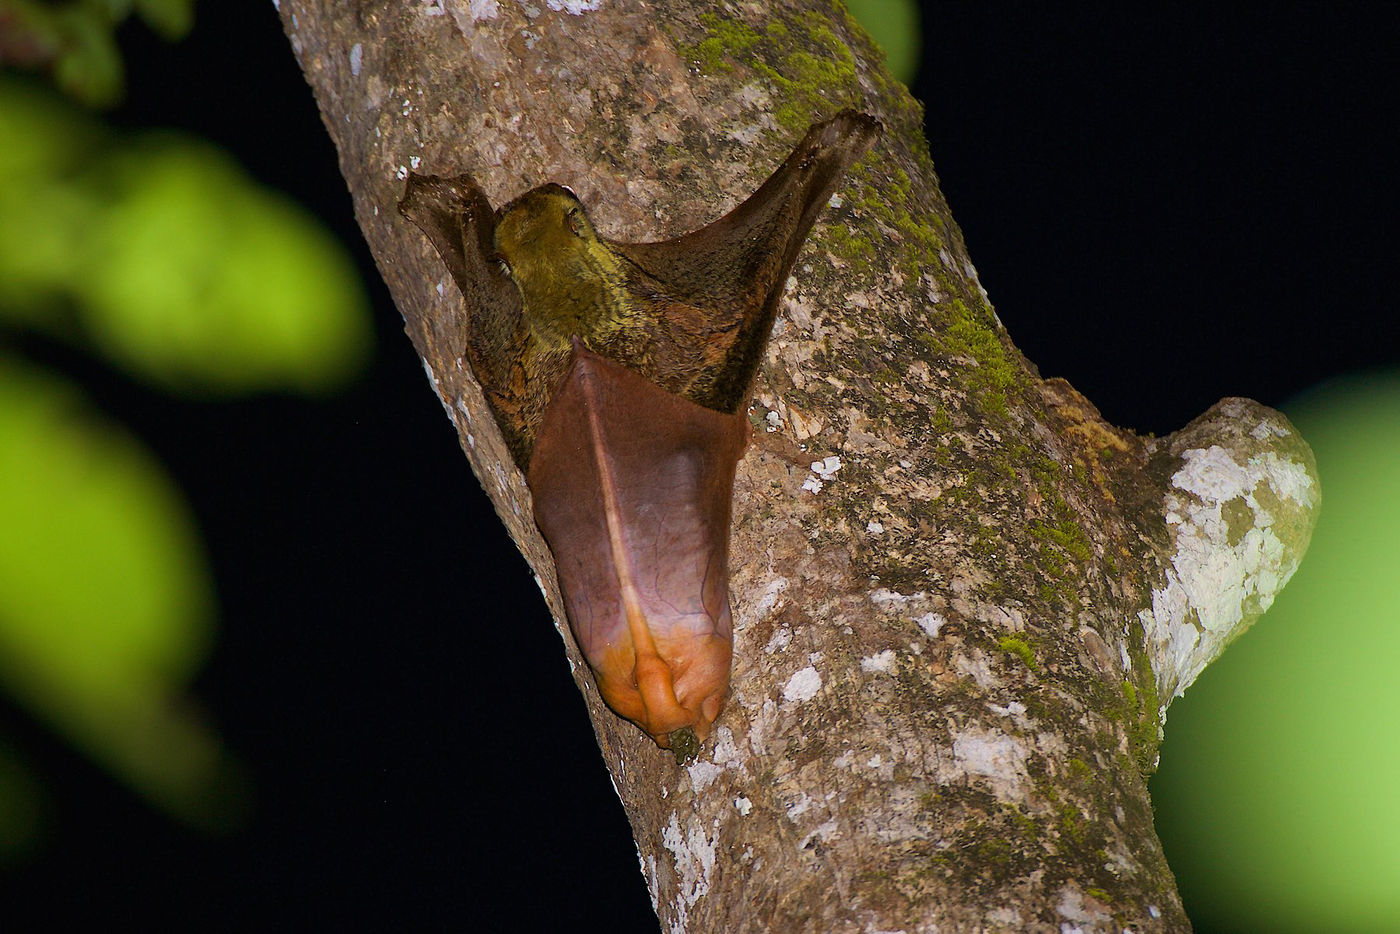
x,y
105,601
1277,797
160,252
75,43
894,25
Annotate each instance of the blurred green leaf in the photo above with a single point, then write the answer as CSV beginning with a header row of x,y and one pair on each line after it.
x,y
172,19
30,35
162,252
197,277
1276,799
44,136
894,25
42,216
76,43
105,603
88,65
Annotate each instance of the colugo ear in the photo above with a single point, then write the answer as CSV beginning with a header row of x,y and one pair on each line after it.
x,y
631,486
460,223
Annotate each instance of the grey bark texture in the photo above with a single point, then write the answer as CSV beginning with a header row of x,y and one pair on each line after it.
x,y
962,600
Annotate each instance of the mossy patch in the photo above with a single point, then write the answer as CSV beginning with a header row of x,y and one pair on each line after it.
x,y
809,83
1080,771
1026,826
1064,550
1130,693
811,69
1015,645
1100,894
972,336
726,42
885,197
848,244
1073,828
1137,707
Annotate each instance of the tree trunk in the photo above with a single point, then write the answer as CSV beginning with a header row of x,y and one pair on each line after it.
x,y
962,600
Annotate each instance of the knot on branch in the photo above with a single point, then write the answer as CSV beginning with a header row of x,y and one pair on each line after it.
x,y
1239,500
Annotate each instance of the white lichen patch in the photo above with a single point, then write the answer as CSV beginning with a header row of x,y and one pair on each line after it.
x,y
823,831
797,808
727,752
974,665
726,755
769,599
930,623
693,856
1015,710
894,601
879,662
743,806
780,640
802,686
1081,909
648,865
357,57
574,7
1006,917
827,467
432,377
1239,510
993,759
702,773
915,607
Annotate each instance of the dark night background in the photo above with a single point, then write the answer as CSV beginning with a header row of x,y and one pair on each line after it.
x,y
1164,210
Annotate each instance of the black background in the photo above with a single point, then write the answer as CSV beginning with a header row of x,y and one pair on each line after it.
x,y
1165,210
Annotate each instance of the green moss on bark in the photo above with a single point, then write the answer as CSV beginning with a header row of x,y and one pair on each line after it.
x,y
727,41
810,68
1014,645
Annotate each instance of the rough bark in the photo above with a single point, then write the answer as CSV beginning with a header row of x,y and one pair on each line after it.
x,y
962,600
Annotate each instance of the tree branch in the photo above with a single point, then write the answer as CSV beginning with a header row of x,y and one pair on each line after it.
x,y
962,600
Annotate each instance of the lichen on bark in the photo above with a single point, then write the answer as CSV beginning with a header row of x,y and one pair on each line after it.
x,y
956,587
1240,504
